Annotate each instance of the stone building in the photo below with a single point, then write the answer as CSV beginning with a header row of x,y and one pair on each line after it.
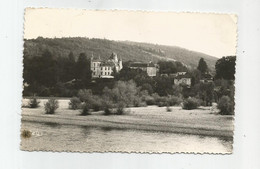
x,y
105,69
182,78
150,68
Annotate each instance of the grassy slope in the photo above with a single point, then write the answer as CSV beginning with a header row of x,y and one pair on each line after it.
x,y
126,50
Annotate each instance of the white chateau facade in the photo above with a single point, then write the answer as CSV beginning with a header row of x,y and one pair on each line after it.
x,y
104,69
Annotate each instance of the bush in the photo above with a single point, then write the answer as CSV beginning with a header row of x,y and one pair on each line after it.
x,y
96,104
107,111
173,100
161,101
51,105
168,109
120,108
190,103
33,102
138,102
161,104
85,95
108,105
85,110
150,100
225,106
74,103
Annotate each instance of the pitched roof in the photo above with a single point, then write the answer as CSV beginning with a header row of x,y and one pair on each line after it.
x,y
141,64
111,64
186,75
207,76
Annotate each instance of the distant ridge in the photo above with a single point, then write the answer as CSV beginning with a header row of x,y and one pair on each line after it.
x,y
127,50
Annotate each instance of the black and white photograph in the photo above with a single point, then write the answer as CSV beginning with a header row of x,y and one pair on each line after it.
x,y
128,81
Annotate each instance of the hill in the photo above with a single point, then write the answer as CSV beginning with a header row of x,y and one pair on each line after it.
x,y
134,51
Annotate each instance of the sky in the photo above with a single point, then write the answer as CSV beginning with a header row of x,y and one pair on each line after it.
x,y
212,34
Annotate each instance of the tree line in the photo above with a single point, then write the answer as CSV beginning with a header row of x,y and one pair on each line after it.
x,y
48,75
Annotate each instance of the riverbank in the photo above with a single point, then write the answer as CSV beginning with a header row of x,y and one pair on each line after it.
x,y
152,118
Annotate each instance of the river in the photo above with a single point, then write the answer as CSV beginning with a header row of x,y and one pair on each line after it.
x,y
56,137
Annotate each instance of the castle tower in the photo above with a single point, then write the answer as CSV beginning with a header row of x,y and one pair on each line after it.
x,y
120,64
113,57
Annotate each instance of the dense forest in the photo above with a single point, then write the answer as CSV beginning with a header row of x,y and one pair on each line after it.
x,y
134,51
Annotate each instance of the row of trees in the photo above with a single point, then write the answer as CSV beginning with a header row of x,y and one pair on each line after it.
x,y
49,75
46,74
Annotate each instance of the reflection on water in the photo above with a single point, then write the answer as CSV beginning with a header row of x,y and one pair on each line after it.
x,y
92,139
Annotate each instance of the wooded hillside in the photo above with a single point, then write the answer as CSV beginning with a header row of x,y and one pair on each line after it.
x,y
134,51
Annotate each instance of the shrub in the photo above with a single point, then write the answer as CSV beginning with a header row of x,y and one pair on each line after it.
x,y
33,102
173,100
85,95
74,103
107,111
161,104
51,105
96,104
161,101
190,103
168,109
150,100
225,106
108,105
120,108
138,102
85,110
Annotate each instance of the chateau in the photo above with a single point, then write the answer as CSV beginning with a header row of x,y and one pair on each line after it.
x,y
104,69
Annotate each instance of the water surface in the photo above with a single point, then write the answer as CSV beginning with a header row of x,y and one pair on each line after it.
x,y
56,137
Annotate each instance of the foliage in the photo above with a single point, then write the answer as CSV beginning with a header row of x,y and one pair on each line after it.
x,y
85,110
173,100
206,93
83,71
168,109
164,85
195,77
150,100
202,66
168,67
74,103
147,87
162,101
51,105
225,106
108,105
122,92
225,68
33,102
85,95
224,88
128,50
94,102
120,108
190,103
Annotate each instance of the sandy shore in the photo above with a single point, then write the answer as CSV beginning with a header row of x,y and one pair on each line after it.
x,y
152,118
